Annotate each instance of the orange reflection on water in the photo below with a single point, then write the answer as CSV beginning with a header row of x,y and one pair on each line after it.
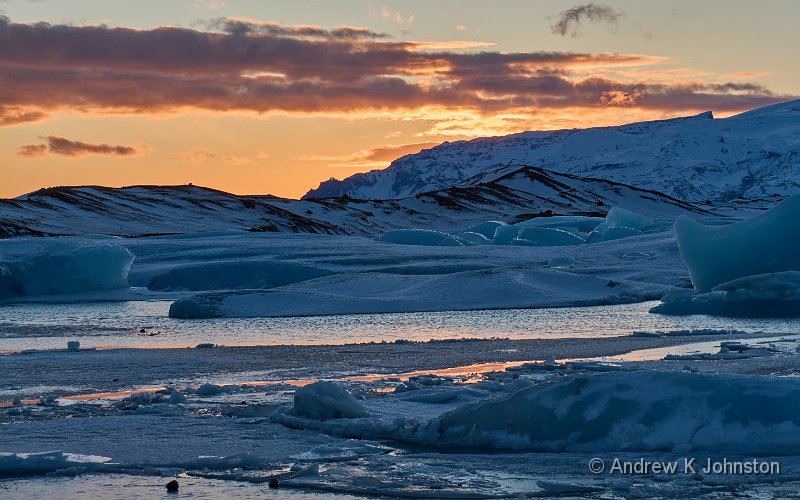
x,y
471,374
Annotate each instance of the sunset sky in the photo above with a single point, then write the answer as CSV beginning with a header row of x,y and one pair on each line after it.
x,y
258,97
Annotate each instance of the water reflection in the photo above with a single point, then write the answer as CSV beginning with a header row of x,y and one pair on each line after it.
x,y
145,324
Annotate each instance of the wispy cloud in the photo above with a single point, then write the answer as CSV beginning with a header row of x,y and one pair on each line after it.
x,y
55,145
247,65
386,12
196,156
200,155
369,158
245,160
211,4
569,21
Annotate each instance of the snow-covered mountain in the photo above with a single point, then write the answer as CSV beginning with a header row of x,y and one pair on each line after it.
x,y
695,158
510,194
145,210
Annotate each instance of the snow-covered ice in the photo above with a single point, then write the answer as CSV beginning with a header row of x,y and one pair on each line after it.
x,y
388,292
325,400
622,411
749,268
28,464
658,410
43,267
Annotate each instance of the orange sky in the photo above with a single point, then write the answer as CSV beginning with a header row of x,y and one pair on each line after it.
x,y
255,100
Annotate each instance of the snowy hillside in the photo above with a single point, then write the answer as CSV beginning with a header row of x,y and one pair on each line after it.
x,y
144,210
508,194
693,158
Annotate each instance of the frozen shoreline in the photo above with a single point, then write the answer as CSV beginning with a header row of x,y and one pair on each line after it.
x,y
96,369
151,437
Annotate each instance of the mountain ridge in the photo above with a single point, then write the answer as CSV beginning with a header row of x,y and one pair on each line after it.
x,y
699,157
510,193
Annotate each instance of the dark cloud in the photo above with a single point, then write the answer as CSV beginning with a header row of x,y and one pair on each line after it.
x,y
15,116
568,21
61,146
241,65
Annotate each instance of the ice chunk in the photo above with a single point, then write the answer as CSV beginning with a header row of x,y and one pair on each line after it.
x,y
56,266
621,223
762,295
425,237
547,237
169,396
766,243
324,400
486,229
29,464
620,217
234,276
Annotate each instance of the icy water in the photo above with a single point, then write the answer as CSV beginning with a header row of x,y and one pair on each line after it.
x,y
146,324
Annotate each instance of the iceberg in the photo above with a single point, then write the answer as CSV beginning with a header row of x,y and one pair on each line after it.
x,y
766,243
52,267
425,237
559,230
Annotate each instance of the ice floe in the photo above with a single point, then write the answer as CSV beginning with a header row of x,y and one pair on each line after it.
x,y
382,292
620,411
29,464
763,295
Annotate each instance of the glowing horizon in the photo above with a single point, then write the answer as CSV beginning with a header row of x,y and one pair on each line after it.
x,y
256,99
